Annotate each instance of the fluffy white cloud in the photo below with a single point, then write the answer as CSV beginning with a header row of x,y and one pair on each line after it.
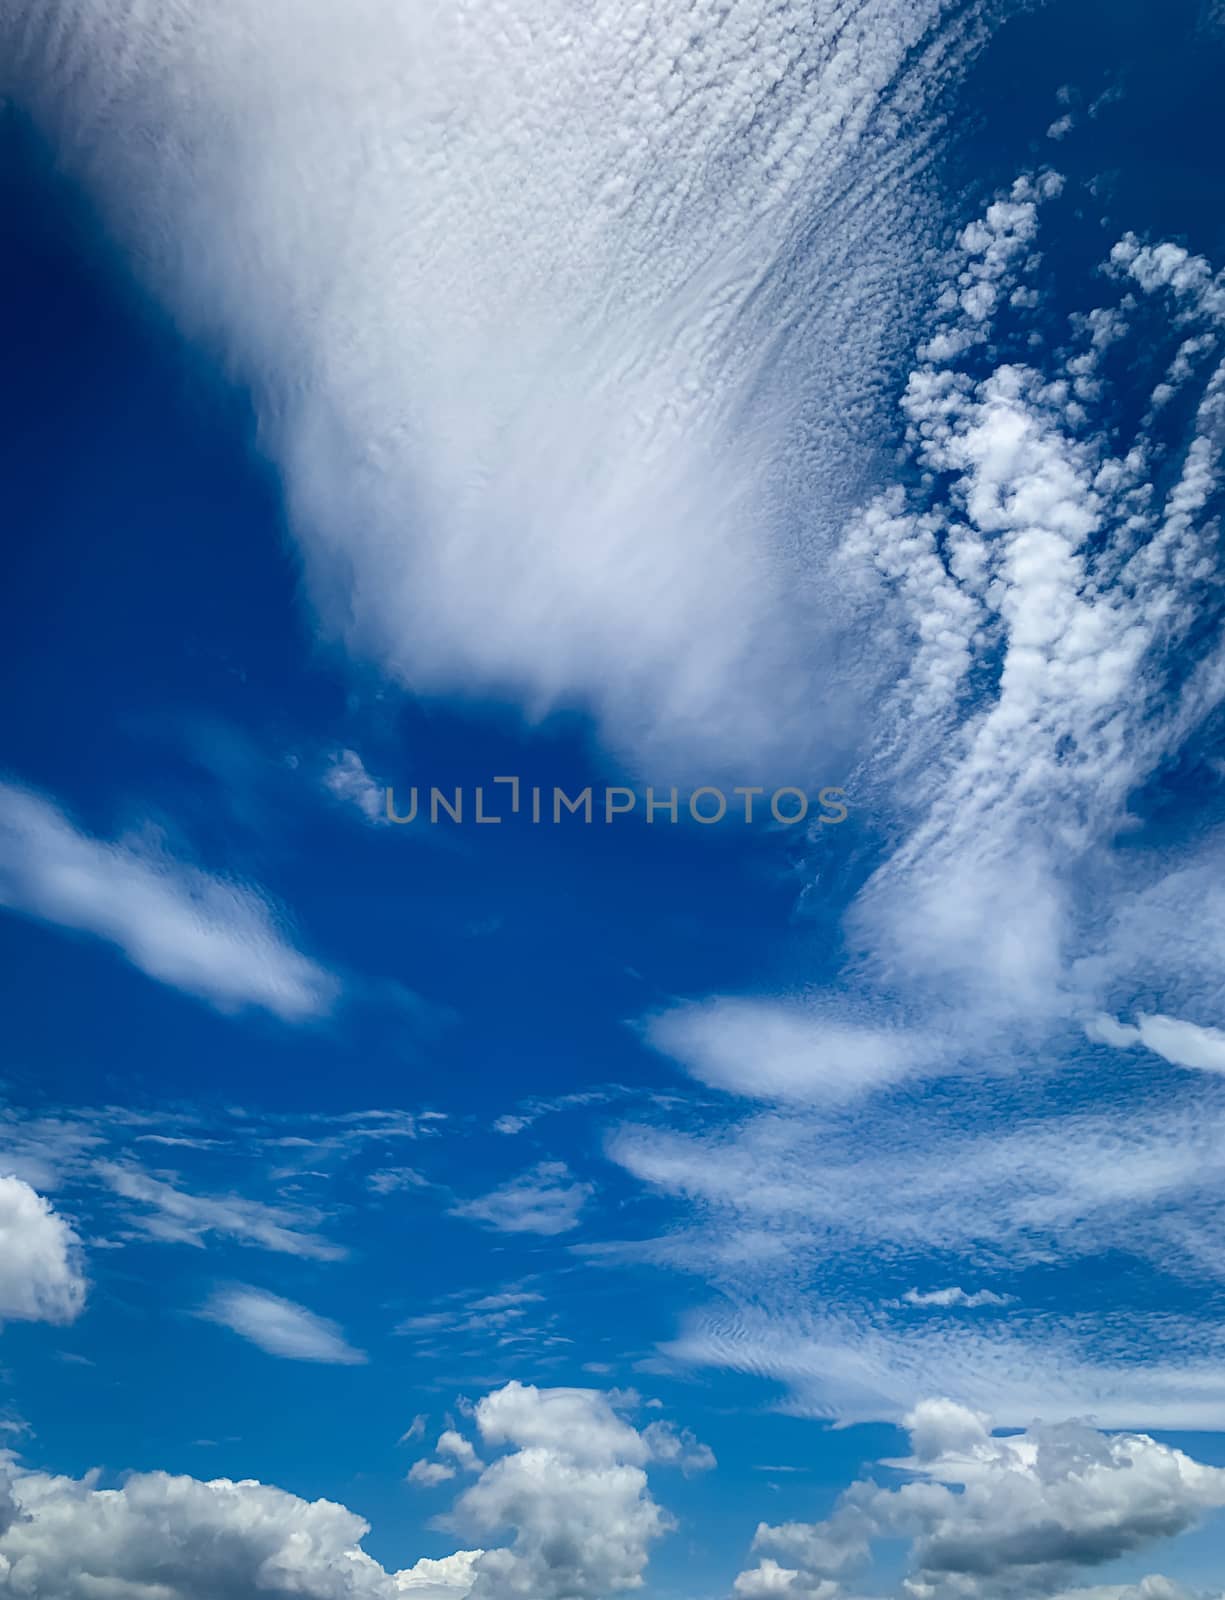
x,y
452,1577
544,412
994,1518
545,1200
572,1487
574,1491
175,1538
211,938
281,1327
41,1277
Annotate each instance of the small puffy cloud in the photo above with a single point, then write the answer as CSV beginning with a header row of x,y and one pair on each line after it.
x,y
41,1278
768,1579
545,1200
673,1448
211,938
429,1474
347,779
281,1327
1182,1044
993,1518
459,1450
570,1495
955,1296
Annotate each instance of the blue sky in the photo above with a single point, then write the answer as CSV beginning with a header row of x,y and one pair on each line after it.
x,y
820,402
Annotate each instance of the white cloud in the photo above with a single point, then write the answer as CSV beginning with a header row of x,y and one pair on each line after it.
x,y
281,1327
429,1474
213,939
545,1200
678,1449
175,1538
452,1577
1000,1518
41,1277
347,779
574,1491
776,1051
178,1217
846,1367
789,1207
944,1298
570,1492
1037,590
529,398
884,1185
455,1446
1182,1044
389,1180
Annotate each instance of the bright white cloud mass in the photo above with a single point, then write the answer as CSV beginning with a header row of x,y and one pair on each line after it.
x,y
40,1259
738,392
994,1518
986,1518
570,1491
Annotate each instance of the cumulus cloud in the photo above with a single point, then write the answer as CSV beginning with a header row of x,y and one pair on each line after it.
x,y
568,1489
992,1518
211,938
536,400
545,1200
452,1577
181,1539
573,1489
281,1327
41,1276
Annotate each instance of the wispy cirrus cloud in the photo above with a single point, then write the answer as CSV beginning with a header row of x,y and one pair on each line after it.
x,y
589,381
280,1327
218,940
176,1216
